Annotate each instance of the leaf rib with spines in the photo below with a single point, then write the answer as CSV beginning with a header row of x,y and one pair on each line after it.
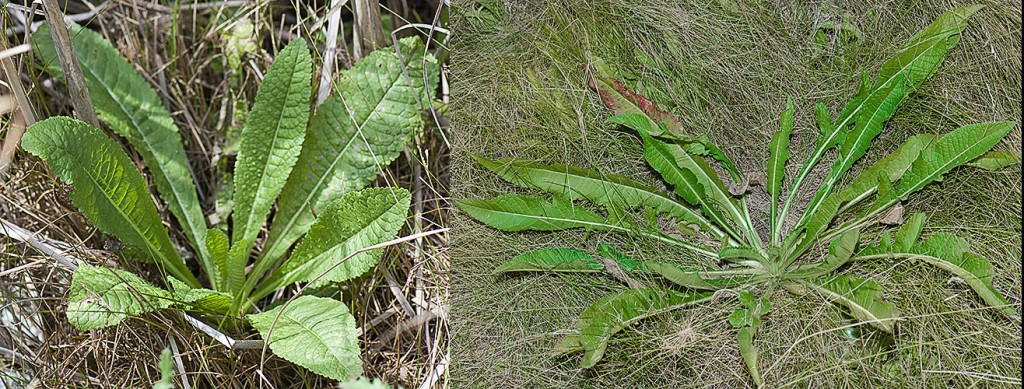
x,y
109,189
913,64
603,189
271,143
313,332
102,296
356,220
779,149
126,102
353,136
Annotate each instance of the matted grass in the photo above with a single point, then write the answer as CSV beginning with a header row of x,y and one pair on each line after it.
x,y
725,69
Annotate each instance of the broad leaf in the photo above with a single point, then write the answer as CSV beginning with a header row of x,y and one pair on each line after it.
x,y
351,223
607,190
860,296
313,332
270,145
125,101
840,250
779,149
558,260
518,213
611,314
101,297
109,190
354,135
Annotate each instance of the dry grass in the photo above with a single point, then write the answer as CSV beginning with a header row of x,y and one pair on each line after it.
x,y
724,68
400,307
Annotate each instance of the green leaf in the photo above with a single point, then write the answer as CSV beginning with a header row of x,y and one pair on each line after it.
x,y
556,260
694,181
355,135
200,298
779,149
607,190
939,157
109,190
125,101
625,262
925,51
736,254
860,296
166,367
101,297
270,145
217,244
364,383
518,213
313,332
353,222
945,251
996,160
911,66
909,232
686,278
891,168
840,250
611,314
877,109
749,353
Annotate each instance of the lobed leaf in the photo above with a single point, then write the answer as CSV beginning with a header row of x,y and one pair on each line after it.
x,y
101,297
621,100
996,160
551,260
353,136
313,332
109,190
677,275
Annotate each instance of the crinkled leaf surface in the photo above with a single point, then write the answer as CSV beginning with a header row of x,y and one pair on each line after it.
x,y
101,297
270,145
109,190
355,221
313,332
551,260
125,101
355,135
611,314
